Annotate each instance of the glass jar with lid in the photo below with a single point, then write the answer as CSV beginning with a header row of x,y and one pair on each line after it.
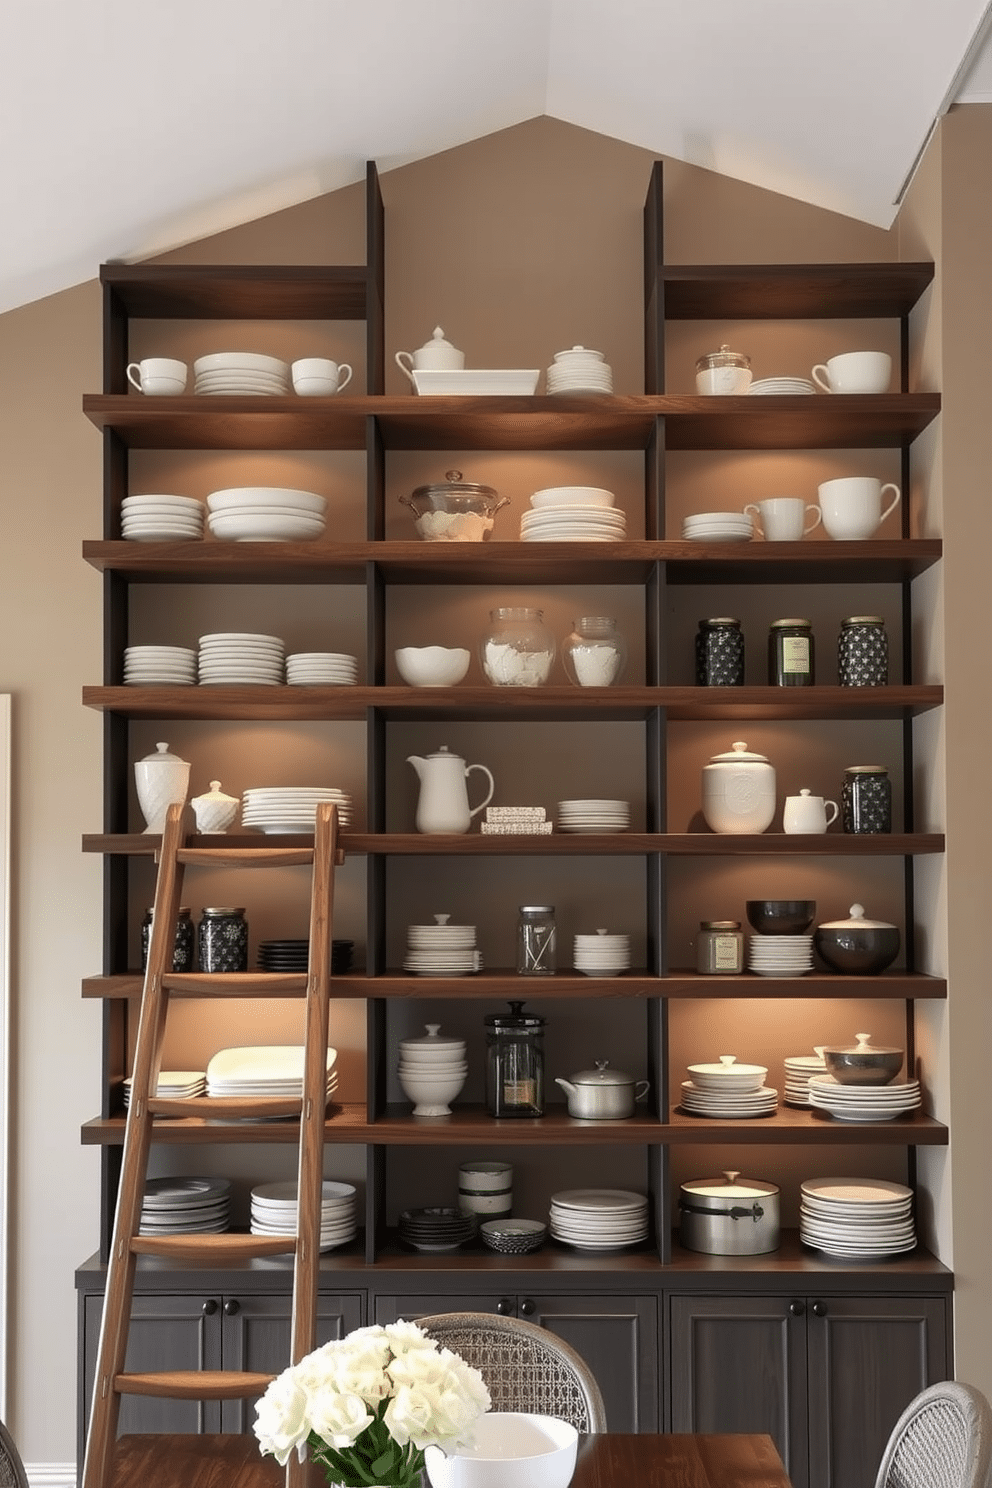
x,y
518,649
595,652
791,654
514,1063
720,948
537,940
723,372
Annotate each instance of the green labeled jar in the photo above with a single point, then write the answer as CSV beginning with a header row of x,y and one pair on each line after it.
x,y
791,654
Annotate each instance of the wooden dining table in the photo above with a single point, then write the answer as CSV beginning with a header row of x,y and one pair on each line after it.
x,y
608,1459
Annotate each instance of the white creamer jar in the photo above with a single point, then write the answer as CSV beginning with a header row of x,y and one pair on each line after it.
x,y
738,791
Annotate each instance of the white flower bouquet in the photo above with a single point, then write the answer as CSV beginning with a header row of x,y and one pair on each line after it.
x,y
368,1404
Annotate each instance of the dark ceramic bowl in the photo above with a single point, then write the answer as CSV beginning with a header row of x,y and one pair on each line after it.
x,y
780,916
857,951
863,1066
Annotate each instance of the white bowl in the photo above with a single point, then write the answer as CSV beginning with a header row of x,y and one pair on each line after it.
x,y
244,528
512,1450
432,666
431,1097
241,360
594,496
266,496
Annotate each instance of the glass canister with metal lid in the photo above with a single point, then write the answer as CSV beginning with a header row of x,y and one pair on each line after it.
x,y
537,940
791,654
720,948
723,372
454,510
514,1063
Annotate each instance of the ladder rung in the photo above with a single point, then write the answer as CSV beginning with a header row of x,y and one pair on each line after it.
x,y
236,983
226,1107
246,857
194,1384
216,1250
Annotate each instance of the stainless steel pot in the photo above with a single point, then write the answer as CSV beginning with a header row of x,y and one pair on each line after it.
x,y
728,1215
603,1094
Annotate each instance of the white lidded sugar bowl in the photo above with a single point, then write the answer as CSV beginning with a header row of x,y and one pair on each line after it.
x,y
738,791
161,780
214,811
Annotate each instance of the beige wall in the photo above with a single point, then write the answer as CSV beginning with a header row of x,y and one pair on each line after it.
x,y
518,244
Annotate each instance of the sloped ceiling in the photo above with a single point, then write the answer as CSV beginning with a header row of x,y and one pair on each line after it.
x,y
131,126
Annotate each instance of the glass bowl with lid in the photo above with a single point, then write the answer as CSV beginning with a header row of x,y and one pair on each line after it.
x,y
454,510
723,373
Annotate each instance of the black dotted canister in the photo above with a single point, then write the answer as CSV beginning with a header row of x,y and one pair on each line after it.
x,y
863,652
867,799
720,653
183,947
223,940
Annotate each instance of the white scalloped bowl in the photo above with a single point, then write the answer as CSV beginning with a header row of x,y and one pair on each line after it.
x,y
219,501
432,666
511,1450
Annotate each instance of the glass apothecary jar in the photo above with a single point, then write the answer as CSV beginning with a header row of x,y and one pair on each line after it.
x,y
537,940
514,1063
594,653
518,650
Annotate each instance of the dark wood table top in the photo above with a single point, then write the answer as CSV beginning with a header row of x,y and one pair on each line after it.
x,y
606,1460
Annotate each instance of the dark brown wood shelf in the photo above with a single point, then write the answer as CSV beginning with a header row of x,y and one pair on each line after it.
x,y
239,291
791,291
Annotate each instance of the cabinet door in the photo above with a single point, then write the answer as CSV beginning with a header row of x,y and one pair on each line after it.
x,y
868,1357
739,1364
256,1335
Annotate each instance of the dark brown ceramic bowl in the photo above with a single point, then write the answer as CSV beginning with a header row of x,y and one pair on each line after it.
x,y
780,916
857,950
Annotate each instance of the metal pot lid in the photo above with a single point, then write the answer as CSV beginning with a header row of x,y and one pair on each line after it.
x,y
602,1075
863,1046
722,358
856,922
729,1186
738,753
453,485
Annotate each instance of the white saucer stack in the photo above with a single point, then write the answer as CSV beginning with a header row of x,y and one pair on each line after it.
x,y
579,371
180,1206
781,386
174,1085
321,669
593,816
275,1211
717,526
241,373
799,1068
599,1218
266,514
161,519
856,1217
780,955
441,949
864,1102
728,1089
576,523
231,658
159,666
602,954
291,808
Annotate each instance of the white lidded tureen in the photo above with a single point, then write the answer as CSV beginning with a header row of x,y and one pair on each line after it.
x,y
738,791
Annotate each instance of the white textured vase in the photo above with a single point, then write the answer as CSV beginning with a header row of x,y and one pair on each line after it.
x,y
161,779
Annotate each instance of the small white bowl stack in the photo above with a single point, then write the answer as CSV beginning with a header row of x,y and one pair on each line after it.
x,y
579,370
780,955
266,514
241,373
799,1069
432,1071
602,954
441,950
232,658
159,666
155,518
727,1089
717,526
856,1218
593,816
292,808
275,1211
573,514
321,669
599,1218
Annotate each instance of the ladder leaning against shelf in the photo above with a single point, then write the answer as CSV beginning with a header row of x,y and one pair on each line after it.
x,y
111,1382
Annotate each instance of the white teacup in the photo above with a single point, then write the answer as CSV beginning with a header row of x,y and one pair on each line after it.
x,y
806,813
852,506
855,372
158,376
319,377
783,518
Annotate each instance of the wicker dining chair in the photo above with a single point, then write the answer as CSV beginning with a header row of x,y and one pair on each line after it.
x,y
943,1439
526,1368
12,1474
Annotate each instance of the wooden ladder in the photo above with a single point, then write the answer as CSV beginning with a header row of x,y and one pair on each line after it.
x,y
111,1383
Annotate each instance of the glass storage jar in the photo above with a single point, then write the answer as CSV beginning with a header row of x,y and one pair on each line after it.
x,y
514,1063
720,948
595,652
720,652
223,940
518,649
791,654
863,652
183,946
866,802
537,945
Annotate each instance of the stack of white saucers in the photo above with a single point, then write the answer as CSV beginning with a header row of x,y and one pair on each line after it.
x,y
291,808
174,1085
780,955
263,1070
266,514
573,524
864,1102
441,949
579,371
855,1217
275,1211
229,658
178,1206
597,497
717,526
602,954
240,373
161,518
782,386
321,669
593,816
159,666
728,1089
599,1218
799,1068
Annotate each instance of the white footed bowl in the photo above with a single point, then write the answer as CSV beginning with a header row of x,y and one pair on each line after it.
x,y
432,666
431,1096
512,1450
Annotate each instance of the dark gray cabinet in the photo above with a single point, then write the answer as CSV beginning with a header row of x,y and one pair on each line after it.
x,y
825,1376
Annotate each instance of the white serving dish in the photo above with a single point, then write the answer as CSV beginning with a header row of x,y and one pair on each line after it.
x,y
241,360
266,496
245,528
475,382
432,666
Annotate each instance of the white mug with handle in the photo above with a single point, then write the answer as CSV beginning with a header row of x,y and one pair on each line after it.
x,y
806,813
783,518
852,506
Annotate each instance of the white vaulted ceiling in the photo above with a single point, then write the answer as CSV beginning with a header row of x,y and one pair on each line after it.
x,y
130,126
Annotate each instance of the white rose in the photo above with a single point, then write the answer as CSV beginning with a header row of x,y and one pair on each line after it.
x,y
338,1419
404,1336
281,1418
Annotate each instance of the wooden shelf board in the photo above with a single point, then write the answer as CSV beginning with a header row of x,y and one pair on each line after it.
x,y
791,291
239,292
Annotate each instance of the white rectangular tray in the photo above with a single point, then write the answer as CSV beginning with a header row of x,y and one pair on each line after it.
x,y
475,382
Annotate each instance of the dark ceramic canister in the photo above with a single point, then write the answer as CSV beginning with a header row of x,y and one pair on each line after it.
x,y
720,652
185,941
223,940
863,652
866,802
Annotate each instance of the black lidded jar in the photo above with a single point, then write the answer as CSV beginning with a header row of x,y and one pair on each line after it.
x,y
791,654
223,941
720,652
866,801
514,1063
863,652
183,946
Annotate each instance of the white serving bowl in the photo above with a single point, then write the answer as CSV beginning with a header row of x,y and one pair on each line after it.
x,y
236,496
432,666
512,1450
224,361
594,496
431,1096
245,528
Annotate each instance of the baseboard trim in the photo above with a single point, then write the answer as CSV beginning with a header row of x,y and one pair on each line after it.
x,y
51,1474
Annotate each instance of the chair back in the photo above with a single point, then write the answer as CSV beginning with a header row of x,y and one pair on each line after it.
x,y
526,1368
12,1474
943,1439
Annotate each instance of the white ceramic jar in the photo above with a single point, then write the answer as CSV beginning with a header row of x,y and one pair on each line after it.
x,y
738,791
161,780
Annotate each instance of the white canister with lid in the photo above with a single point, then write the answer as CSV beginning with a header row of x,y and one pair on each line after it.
x,y
729,1215
723,373
738,791
161,780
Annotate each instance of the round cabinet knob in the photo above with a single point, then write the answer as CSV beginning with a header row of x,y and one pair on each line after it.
x,y
819,1309
505,1307
232,1307
797,1308
209,1307
527,1307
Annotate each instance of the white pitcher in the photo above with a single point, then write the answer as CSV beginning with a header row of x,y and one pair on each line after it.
x,y
443,804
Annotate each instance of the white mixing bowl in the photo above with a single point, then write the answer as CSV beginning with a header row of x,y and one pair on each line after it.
x,y
511,1450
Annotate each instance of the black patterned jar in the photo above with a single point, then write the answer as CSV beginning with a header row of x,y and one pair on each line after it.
x,y
223,940
720,652
791,654
183,946
863,652
867,799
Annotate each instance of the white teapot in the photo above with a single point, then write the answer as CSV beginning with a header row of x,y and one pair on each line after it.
x,y
443,804
436,355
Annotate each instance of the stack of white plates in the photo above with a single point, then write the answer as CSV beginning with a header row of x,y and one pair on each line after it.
x,y
174,1085
321,669
780,955
178,1206
275,1211
230,658
291,808
593,816
728,1089
441,949
855,1217
265,1070
798,1070
783,386
241,373
161,518
599,1218
159,666
602,954
573,524
579,371
596,497
717,526
863,1102
266,514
